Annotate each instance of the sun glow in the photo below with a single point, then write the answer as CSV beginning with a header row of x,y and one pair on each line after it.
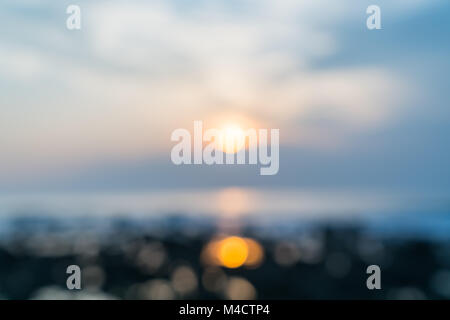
x,y
233,131
232,139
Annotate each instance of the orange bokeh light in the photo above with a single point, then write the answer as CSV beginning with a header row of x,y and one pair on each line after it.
x,y
255,253
233,252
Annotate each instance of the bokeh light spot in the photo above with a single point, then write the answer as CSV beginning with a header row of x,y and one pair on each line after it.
x,y
233,252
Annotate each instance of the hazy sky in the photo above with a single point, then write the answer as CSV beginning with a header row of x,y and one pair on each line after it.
x,y
95,107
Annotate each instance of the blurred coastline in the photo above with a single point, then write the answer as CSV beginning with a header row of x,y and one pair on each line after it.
x,y
394,212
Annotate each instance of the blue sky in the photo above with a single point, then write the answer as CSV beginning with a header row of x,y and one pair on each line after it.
x,y
94,109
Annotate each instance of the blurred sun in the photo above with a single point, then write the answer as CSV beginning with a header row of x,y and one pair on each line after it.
x,y
233,129
232,138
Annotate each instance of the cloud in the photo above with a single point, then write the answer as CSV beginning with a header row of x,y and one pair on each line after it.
x,y
137,70
256,62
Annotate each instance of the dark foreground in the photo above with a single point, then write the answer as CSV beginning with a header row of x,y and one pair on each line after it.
x,y
150,261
